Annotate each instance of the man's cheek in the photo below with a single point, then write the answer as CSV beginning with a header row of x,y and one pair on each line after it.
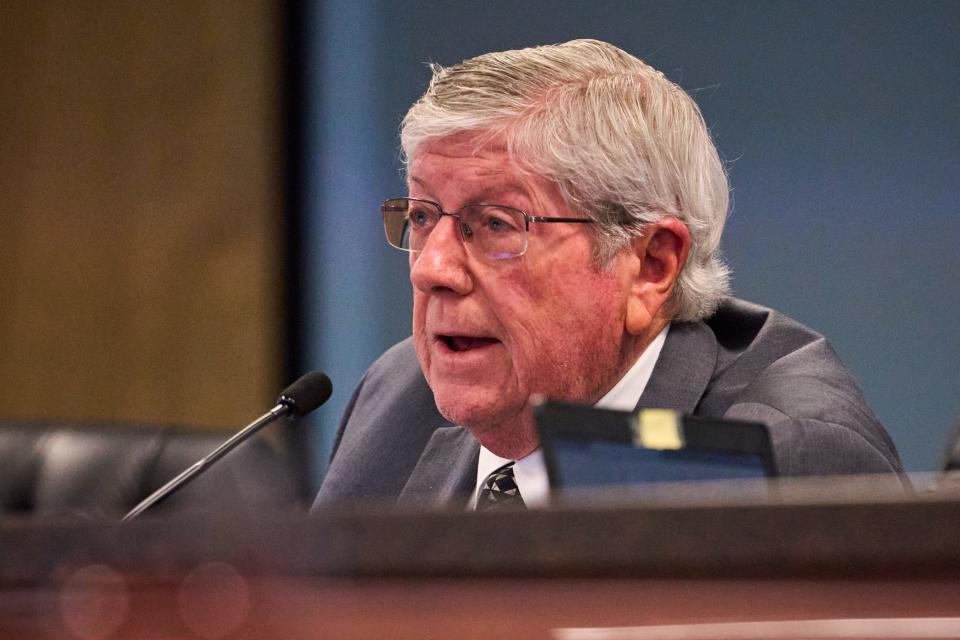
x,y
523,367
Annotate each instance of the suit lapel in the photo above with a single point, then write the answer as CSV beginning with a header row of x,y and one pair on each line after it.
x,y
446,472
683,370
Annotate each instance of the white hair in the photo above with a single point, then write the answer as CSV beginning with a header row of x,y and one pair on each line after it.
x,y
625,145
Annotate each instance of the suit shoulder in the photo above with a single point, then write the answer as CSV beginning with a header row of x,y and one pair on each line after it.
x,y
740,327
382,434
400,357
396,367
759,348
772,369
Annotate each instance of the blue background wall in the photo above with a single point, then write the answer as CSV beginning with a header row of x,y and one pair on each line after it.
x,y
838,121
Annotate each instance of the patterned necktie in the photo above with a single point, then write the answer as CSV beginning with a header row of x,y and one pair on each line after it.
x,y
500,490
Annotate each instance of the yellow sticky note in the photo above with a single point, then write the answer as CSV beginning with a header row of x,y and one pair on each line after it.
x,y
658,429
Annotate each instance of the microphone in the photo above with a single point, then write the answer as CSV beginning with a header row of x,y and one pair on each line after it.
x,y
300,398
306,394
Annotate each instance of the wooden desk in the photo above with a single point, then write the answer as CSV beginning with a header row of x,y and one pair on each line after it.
x,y
379,574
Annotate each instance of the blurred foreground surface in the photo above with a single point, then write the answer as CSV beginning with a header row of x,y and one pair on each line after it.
x,y
819,550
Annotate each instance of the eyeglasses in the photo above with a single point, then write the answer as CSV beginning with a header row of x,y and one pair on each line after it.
x,y
495,231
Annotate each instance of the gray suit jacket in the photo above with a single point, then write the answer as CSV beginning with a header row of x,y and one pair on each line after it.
x,y
746,362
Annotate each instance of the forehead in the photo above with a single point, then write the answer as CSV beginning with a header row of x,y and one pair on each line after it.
x,y
467,161
462,143
462,153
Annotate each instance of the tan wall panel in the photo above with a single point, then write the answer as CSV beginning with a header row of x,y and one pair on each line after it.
x,y
140,212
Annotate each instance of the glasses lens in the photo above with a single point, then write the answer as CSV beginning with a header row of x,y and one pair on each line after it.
x,y
407,222
497,232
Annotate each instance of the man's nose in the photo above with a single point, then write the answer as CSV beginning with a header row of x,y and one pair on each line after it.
x,y
442,263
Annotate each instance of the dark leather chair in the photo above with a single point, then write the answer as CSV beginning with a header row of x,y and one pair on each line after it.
x,y
949,480
951,457
103,470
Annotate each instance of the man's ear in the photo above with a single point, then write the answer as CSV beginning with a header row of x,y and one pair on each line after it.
x,y
661,252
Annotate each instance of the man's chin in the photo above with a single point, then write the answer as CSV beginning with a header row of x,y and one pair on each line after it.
x,y
472,415
506,431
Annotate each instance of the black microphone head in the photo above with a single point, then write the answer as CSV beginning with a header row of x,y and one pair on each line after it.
x,y
307,393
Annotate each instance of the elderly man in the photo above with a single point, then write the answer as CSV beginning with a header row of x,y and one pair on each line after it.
x,y
563,221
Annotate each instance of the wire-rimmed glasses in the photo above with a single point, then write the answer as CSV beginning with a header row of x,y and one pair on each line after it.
x,y
495,231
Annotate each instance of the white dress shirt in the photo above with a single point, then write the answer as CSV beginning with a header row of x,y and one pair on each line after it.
x,y
530,472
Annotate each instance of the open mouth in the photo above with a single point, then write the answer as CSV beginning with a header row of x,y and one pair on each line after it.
x,y
466,343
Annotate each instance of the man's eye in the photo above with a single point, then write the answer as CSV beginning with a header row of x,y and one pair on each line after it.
x,y
419,218
499,223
